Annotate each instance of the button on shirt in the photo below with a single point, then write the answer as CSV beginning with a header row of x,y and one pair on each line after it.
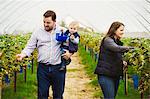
x,y
48,47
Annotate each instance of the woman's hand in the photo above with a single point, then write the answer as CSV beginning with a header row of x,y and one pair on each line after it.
x,y
125,66
125,63
1,54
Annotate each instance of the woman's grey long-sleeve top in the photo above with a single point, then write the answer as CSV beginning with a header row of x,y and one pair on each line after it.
x,y
110,57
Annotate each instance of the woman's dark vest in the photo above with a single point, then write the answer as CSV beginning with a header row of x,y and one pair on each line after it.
x,y
109,62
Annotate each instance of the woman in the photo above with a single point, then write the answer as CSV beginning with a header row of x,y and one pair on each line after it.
x,y
110,63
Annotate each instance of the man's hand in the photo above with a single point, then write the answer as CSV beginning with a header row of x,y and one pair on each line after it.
x,y
20,57
67,55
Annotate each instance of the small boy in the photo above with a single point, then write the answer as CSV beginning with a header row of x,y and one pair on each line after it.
x,y
71,43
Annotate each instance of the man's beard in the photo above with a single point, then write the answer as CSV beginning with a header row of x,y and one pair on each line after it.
x,y
48,29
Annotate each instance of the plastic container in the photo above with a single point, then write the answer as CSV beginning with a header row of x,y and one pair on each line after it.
x,y
61,38
135,81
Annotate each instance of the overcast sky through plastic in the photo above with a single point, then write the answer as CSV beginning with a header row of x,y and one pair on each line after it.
x,y
26,15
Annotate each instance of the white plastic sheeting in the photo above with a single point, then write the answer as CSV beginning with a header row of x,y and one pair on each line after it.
x,y
25,15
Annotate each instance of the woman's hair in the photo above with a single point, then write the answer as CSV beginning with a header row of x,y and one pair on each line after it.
x,y
111,32
50,13
114,26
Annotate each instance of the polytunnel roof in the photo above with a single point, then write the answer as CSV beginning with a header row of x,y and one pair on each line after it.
x,y
26,15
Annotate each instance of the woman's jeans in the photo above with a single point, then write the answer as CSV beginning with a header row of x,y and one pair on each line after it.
x,y
109,86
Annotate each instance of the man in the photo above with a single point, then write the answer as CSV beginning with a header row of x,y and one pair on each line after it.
x,y
49,57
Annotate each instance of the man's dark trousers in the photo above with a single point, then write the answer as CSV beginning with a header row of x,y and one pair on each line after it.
x,y
50,75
